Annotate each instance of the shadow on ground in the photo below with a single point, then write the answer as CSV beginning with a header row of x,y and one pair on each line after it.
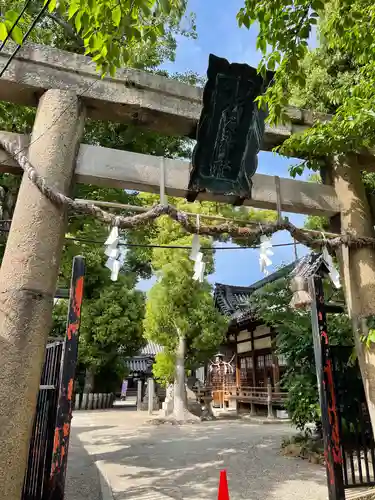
x,y
82,476
148,462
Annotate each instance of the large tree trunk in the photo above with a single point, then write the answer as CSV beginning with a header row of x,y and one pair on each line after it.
x,y
179,400
89,381
357,265
181,412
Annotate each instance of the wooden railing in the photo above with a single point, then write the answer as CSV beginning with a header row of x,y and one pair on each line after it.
x,y
245,394
260,395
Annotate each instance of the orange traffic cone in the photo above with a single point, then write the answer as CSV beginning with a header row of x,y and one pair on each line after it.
x,y
223,486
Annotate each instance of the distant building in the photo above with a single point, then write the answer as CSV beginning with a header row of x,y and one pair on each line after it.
x,y
251,344
140,366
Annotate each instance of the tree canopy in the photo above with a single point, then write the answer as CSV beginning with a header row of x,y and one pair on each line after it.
x,y
113,33
337,77
180,313
177,302
295,342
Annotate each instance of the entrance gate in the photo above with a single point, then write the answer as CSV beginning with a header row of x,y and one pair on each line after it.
x,y
48,449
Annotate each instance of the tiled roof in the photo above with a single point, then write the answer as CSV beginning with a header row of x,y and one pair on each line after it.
x,y
143,362
233,300
309,265
151,349
140,364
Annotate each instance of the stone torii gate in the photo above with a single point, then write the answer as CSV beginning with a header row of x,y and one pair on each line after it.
x,y
66,89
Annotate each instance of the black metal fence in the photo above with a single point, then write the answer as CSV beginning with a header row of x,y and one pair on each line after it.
x,y
41,444
356,435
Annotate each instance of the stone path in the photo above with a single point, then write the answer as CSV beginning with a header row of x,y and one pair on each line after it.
x,y
164,462
82,481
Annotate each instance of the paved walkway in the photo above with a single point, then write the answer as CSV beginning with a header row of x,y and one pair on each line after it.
x,y
164,462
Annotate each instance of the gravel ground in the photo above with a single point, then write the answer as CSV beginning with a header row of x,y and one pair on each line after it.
x,y
164,462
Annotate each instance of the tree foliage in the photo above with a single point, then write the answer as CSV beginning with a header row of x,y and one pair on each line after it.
x,y
340,72
114,33
163,368
111,329
177,302
294,342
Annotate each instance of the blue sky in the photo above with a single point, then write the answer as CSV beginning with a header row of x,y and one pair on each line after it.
x,y
218,33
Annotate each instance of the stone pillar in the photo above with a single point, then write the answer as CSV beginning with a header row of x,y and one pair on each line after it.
x,y
100,400
357,265
269,401
151,393
77,402
28,278
139,394
84,401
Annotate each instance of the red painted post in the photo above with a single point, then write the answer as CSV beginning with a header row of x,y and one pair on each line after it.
x,y
327,397
68,369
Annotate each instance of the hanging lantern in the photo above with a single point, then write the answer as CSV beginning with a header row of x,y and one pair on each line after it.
x,y
230,131
301,298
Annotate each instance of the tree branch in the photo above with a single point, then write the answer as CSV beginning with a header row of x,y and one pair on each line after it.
x,y
67,27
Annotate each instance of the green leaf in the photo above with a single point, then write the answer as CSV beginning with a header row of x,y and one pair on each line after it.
x,y
166,6
73,9
317,5
95,42
305,32
3,31
261,44
77,21
17,35
11,15
97,57
112,70
52,5
246,22
116,15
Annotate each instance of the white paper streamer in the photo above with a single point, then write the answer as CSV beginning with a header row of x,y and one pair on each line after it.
x,y
199,268
333,274
116,255
113,237
265,254
112,251
195,247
